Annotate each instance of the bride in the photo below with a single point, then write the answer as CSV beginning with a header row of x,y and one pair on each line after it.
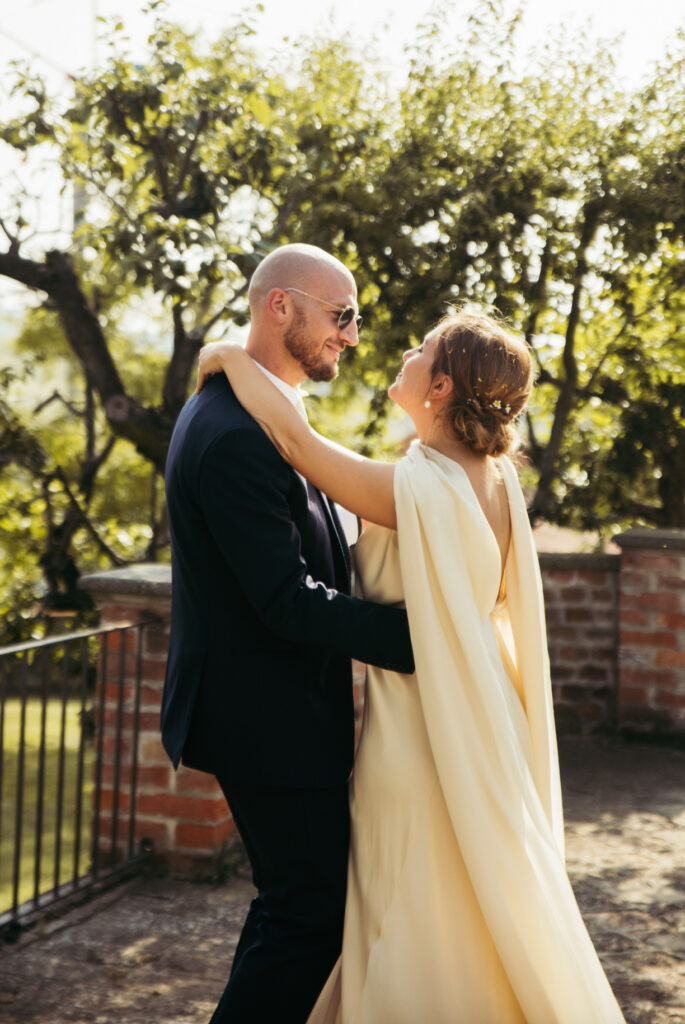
x,y
459,908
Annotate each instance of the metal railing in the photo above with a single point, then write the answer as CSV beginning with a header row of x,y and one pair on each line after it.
x,y
69,710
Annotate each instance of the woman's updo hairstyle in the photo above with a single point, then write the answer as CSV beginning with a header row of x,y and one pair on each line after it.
x,y
492,374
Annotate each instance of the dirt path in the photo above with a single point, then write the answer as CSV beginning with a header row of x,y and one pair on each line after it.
x,y
160,950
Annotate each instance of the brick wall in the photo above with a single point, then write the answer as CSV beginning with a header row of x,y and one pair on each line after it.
x,y
651,651
581,607
616,634
182,816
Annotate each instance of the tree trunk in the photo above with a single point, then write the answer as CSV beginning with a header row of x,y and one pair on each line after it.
x,y
568,392
148,429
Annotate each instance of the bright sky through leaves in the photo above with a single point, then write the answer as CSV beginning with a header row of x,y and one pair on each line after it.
x,y
62,31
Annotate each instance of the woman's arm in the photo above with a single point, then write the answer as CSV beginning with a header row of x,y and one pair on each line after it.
x,y
361,485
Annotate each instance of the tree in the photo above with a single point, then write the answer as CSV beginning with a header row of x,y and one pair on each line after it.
x,y
539,186
71,494
162,152
182,163
165,155
556,197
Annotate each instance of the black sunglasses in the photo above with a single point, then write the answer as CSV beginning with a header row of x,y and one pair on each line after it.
x,y
347,315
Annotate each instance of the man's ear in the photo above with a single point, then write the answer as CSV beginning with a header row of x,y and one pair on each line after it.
x,y
276,305
441,387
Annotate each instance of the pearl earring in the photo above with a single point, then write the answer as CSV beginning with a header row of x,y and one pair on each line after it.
x,y
427,403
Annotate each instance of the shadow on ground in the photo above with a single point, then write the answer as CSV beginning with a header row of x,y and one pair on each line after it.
x,y
160,949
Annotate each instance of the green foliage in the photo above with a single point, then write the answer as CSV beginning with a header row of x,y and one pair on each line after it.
x,y
52,797
169,145
46,441
540,186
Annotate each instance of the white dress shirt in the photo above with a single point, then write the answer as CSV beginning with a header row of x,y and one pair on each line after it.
x,y
293,395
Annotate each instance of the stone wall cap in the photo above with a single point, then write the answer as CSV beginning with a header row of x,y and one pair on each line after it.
x,y
651,539
143,579
589,561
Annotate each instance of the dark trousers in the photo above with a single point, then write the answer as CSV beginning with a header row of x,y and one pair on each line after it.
x,y
297,841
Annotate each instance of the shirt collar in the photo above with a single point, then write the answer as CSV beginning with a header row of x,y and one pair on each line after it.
x,y
294,395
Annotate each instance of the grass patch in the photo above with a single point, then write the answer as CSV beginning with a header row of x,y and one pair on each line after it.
x,y
9,794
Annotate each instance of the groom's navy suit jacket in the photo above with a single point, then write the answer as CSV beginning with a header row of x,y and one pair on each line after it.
x,y
258,680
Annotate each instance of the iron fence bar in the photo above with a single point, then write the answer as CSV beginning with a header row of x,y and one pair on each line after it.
x,y
19,806
101,746
134,751
40,780
81,757
3,687
69,894
60,765
51,641
34,665
117,750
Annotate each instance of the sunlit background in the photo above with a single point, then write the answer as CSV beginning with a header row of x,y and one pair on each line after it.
x,y
582,107
68,36
64,38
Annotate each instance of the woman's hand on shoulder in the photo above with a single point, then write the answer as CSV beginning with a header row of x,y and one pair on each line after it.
x,y
214,358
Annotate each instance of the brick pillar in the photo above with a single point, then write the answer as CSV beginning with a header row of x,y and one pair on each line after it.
x,y
581,597
183,813
652,631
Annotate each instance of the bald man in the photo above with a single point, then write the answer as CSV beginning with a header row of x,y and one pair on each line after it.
x,y
258,687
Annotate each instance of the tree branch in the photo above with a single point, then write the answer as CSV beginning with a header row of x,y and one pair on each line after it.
x,y
174,392
628,321
28,272
186,346
85,521
12,239
534,444
203,330
568,394
56,397
91,466
78,171
588,390
148,429
201,125
537,292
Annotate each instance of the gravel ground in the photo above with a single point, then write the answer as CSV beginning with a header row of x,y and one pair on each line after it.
x,y
160,949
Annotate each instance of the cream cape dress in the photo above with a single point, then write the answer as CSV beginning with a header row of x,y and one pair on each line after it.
x,y
459,909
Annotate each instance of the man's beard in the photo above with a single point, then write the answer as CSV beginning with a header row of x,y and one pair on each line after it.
x,y
299,345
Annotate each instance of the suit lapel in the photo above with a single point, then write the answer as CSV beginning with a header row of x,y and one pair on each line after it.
x,y
339,549
339,534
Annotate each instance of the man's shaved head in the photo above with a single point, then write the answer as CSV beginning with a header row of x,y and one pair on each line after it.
x,y
293,266
297,294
